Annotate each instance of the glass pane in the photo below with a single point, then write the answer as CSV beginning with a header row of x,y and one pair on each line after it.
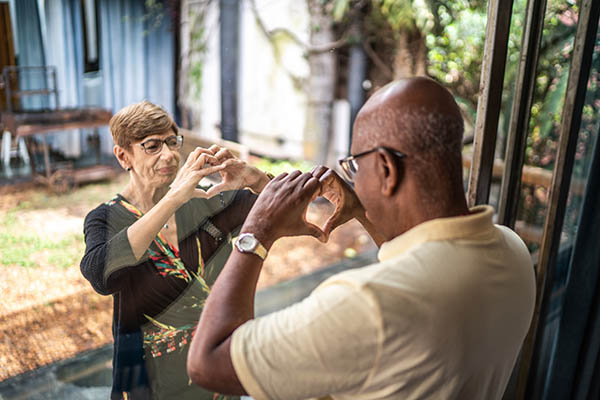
x,y
551,81
456,62
587,139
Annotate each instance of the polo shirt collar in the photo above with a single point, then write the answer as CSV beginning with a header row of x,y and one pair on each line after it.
x,y
478,222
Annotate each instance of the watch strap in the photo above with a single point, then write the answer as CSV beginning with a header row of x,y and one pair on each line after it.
x,y
259,250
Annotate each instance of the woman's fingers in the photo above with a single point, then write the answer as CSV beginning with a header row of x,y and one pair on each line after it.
x,y
204,159
214,149
194,155
208,170
223,154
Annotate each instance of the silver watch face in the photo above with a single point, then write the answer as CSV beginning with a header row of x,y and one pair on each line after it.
x,y
247,242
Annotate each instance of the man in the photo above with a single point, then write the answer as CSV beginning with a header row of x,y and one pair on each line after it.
x,y
442,316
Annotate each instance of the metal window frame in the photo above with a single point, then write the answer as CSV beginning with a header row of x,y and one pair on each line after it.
x,y
520,113
585,39
488,110
490,99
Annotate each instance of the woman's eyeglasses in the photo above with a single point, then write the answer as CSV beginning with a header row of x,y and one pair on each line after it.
x,y
350,166
153,146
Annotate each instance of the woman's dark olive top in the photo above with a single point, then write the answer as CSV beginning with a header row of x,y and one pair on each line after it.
x,y
158,299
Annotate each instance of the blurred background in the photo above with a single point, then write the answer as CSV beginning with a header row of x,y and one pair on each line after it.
x,y
278,81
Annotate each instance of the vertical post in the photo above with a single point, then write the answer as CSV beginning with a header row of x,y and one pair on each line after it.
x,y
490,96
55,89
581,60
521,111
357,73
229,31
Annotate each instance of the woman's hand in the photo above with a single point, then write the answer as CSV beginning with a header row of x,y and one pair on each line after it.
x,y
236,173
200,163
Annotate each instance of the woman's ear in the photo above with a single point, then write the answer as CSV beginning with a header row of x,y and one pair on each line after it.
x,y
389,172
122,156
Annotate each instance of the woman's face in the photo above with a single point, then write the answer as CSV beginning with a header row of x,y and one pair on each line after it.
x,y
158,169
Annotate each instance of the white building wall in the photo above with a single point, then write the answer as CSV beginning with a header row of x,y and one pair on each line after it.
x,y
272,105
271,109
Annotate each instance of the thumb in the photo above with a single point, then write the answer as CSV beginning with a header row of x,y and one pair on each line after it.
x,y
201,194
221,187
332,222
314,231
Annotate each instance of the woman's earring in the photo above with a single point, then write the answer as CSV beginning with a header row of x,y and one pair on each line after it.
x,y
128,169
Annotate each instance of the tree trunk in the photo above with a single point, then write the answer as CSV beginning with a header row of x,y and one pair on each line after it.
x,y
411,55
320,86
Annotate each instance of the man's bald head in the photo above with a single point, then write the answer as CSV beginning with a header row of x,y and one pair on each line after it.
x,y
420,118
410,114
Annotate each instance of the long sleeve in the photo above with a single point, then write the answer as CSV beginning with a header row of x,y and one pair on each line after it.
x,y
107,249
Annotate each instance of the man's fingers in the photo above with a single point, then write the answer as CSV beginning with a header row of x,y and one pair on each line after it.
x,y
311,187
293,175
280,177
328,178
301,180
318,171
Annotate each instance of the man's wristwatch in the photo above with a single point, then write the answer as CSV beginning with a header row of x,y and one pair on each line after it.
x,y
248,243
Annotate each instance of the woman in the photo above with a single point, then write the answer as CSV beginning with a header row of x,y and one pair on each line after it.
x,y
158,246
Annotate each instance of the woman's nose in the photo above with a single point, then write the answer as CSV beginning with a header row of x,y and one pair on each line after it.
x,y
166,152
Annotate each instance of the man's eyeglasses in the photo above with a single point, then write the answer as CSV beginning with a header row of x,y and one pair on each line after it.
x,y
154,146
350,166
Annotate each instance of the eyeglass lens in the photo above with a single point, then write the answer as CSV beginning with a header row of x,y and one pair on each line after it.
x,y
155,145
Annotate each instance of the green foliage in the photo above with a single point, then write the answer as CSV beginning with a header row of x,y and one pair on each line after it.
x,y
398,13
340,9
198,49
277,167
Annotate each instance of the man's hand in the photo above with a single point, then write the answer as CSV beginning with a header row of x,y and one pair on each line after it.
x,y
280,210
341,195
236,173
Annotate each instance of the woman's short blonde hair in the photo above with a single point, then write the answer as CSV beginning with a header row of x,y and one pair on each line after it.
x,y
136,121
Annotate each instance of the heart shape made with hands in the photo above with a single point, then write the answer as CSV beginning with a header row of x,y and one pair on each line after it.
x,y
326,215
317,217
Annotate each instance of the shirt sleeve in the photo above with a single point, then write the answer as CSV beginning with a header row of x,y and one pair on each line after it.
x,y
326,344
105,250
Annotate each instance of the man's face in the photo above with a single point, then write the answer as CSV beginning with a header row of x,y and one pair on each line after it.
x,y
365,182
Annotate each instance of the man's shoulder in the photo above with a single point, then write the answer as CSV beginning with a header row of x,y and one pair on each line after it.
x,y
378,277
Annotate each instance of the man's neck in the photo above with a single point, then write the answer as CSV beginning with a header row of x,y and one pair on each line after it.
x,y
416,212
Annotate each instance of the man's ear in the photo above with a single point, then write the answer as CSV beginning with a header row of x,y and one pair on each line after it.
x,y
389,173
122,156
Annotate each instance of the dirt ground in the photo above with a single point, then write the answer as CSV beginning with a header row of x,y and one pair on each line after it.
x,y
49,313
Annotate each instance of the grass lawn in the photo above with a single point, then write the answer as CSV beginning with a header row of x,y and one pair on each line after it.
x,y
38,228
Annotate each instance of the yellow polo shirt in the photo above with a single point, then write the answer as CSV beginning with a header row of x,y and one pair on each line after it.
x,y
442,316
